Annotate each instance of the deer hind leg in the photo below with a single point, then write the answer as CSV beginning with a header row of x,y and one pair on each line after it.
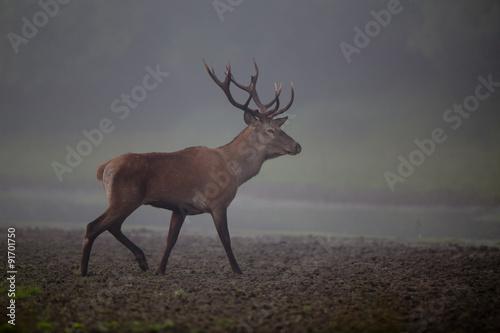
x,y
112,218
176,222
139,255
220,220
94,229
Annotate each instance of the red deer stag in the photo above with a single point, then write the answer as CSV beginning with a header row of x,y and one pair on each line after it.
x,y
192,181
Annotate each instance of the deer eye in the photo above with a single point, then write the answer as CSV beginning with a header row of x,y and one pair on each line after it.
x,y
270,131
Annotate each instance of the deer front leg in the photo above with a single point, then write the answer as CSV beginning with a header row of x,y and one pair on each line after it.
x,y
176,222
220,220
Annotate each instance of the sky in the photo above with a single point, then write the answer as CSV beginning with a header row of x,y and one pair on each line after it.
x,y
371,78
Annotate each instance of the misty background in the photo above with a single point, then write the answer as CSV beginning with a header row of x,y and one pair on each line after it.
x,y
65,67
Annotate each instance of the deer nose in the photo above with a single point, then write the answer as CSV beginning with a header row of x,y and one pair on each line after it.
x,y
298,148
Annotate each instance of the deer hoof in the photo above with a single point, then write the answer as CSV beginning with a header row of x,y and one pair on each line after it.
x,y
143,264
237,272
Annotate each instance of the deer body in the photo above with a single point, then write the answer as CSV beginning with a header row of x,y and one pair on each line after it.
x,y
192,181
167,180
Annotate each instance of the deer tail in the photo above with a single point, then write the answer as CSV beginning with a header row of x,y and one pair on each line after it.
x,y
100,170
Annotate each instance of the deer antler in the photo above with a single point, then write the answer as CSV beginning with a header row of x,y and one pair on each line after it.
x,y
275,113
251,90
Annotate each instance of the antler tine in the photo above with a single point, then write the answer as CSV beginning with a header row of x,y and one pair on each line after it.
x,y
274,114
228,70
254,77
249,97
211,72
275,100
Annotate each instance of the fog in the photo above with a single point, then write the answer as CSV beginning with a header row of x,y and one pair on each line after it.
x,y
396,103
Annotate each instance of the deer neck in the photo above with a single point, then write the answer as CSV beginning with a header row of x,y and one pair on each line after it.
x,y
244,155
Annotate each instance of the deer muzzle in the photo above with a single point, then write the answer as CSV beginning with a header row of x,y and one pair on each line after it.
x,y
298,148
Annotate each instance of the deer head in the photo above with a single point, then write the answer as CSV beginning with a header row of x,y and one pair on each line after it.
x,y
265,129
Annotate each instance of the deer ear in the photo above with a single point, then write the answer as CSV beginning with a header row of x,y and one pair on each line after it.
x,y
249,119
280,121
